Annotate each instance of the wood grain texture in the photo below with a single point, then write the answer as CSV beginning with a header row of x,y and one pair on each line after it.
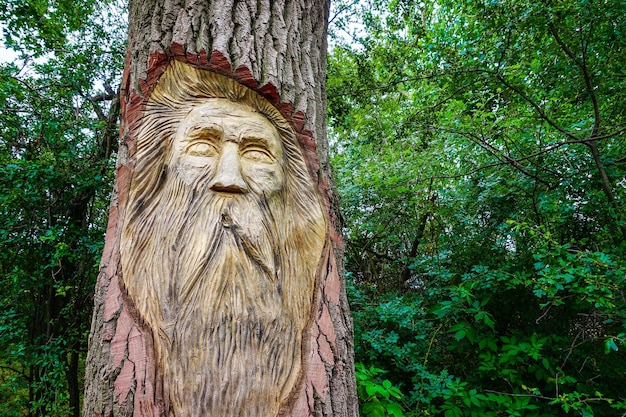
x,y
277,48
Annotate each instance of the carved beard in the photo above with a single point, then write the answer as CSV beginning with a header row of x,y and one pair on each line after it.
x,y
205,272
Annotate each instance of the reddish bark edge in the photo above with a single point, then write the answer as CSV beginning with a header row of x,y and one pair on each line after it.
x,y
130,343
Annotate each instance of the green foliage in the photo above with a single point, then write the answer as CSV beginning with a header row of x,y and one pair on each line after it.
x,y
480,156
378,398
57,149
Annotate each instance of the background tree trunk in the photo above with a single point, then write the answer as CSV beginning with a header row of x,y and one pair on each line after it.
x,y
277,48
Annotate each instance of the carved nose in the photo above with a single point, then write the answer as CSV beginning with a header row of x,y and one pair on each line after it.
x,y
228,177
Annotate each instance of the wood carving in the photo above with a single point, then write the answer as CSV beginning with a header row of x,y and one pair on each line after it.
x,y
221,245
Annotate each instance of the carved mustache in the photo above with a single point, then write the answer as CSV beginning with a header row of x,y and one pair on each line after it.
x,y
247,244
238,217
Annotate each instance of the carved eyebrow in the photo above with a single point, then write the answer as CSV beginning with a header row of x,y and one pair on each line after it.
x,y
195,132
255,139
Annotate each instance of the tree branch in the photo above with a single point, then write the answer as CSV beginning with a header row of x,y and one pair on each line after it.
x,y
590,142
17,371
542,114
102,97
419,235
504,158
582,64
542,397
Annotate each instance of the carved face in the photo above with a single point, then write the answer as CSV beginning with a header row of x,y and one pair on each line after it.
x,y
239,146
221,242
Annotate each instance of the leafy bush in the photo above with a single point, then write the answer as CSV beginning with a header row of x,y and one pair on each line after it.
x,y
378,398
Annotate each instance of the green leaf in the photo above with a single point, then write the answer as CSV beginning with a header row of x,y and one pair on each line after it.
x,y
394,409
609,345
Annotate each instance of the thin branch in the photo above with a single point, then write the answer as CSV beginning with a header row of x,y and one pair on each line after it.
x,y
604,178
341,10
504,159
537,108
533,155
451,95
419,235
385,87
111,132
542,397
109,89
606,185
582,64
545,313
9,368
571,349
102,97
39,94
98,110
519,395
430,345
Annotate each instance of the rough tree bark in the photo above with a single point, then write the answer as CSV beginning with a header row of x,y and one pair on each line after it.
x,y
278,49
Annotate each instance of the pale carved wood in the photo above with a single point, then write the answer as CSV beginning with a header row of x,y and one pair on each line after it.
x,y
220,247
276,49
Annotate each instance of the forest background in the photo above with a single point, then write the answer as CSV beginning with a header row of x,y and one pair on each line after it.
x,y
480,152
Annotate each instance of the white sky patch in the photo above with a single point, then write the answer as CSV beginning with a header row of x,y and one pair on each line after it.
x,y
7,55
345,25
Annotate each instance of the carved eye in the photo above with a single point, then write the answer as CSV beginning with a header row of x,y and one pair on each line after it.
x,y
257,154
201,148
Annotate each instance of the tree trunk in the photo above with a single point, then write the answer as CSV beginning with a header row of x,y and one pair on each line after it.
x,y
73,387
278,50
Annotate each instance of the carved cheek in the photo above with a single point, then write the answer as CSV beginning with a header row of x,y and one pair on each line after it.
x,y
192,168
264,178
